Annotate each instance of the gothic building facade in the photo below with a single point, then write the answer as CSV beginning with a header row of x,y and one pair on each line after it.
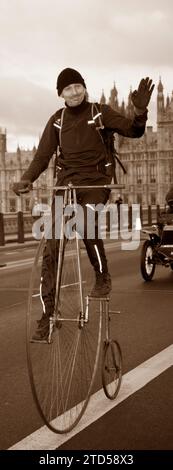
x,y
12,166
148,161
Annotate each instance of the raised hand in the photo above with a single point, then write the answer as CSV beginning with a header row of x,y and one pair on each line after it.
x,y
141,97
22,187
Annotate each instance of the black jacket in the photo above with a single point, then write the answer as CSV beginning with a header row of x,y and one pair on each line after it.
x,y
82,147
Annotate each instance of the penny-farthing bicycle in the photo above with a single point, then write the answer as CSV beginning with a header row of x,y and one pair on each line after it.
x,y
62,371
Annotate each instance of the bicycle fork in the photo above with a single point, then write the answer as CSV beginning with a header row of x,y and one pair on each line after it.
x,y
82,313
55,320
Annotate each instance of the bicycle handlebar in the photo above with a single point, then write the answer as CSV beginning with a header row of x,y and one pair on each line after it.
x,y
71,186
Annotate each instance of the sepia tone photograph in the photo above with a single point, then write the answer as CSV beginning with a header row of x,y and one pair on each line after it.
x,y
86,232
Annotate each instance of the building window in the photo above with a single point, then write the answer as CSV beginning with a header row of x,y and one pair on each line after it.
x,y
125,199
153,199
12,203
152,173
171,172
139,198
139,174
44,200
27,205
11,176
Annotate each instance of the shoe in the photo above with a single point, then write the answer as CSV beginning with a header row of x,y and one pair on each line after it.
x,y
42,332
102,286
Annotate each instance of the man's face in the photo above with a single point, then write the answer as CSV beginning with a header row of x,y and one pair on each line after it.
x,y
73,94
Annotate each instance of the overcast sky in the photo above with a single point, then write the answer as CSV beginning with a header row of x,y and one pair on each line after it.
x,y
106,40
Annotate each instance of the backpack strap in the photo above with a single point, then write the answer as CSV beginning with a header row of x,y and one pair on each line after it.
x,y
58,124
99,126
96,117
107,139
60,131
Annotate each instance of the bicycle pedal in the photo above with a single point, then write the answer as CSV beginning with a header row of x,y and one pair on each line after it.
x,y
90,297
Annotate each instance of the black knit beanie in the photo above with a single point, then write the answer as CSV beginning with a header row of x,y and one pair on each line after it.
x,y
67,77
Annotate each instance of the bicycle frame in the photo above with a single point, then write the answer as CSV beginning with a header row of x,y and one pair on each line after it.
x,y
69,196
62,371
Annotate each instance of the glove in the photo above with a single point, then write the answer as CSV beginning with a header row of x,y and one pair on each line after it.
x,y
22,187
141,97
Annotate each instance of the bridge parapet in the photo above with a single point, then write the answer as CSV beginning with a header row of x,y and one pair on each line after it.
x,y
17,226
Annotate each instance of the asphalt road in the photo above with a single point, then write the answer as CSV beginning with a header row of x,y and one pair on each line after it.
x,y
144,328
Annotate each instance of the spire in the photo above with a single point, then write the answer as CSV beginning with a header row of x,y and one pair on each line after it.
x,y
123,108
3,147
160,86
130,94
114,89
160,101
130,107
114,92
167,102
18,151
113,100
103,99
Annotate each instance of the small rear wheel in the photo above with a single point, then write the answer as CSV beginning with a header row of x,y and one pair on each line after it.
x,y
111,369
147,261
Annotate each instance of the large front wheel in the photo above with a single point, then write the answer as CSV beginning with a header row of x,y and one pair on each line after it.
x,y
62,372
147,261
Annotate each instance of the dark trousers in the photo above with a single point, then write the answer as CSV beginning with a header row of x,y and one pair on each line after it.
x,y
95,248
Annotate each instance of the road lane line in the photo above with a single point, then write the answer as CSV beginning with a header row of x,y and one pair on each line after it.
x,y
134,380
28,261
141,291
18,264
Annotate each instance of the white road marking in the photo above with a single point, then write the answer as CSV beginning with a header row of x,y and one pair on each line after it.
x,y
134,380
19,251
18,264
29,261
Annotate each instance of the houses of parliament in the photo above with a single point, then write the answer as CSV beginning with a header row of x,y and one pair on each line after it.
x,y
148,160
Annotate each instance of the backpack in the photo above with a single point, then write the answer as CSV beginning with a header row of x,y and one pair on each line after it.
x,y
107,137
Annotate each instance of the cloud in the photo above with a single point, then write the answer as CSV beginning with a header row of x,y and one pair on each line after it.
x,y
25,107
106,41
87,32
